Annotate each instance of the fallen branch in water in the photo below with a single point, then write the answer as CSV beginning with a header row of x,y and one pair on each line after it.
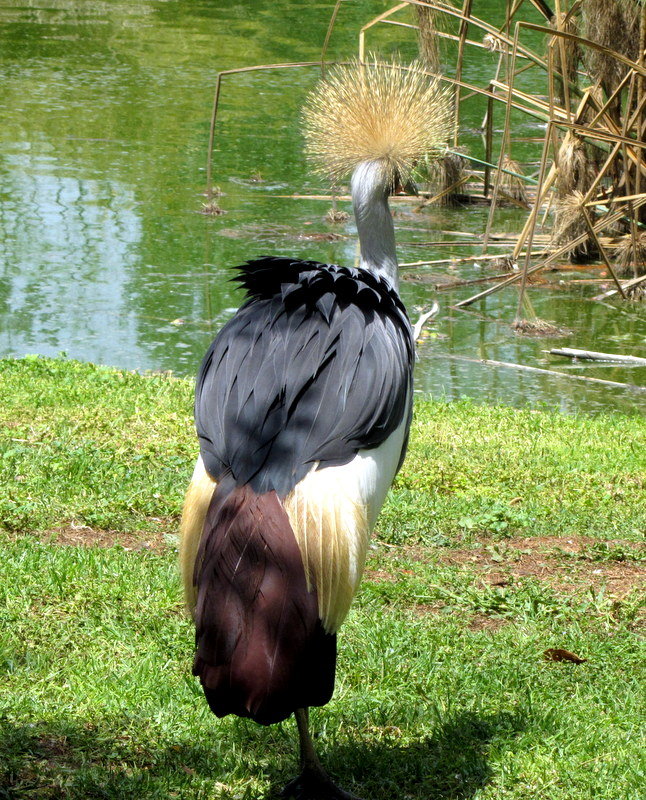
x,y
445,287
467,259
627,285
591,355
489,363
507,282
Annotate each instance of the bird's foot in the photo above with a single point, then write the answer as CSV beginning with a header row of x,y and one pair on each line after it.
x,y
315,784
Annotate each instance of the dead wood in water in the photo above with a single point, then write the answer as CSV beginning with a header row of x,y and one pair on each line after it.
x,y
633,289
423,319
592,355
487,362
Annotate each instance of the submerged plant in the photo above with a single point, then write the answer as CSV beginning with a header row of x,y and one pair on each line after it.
x,y
537,327
502,264
212,209
335,216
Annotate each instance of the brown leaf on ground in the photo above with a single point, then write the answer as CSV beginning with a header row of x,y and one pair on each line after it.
x,y
557,654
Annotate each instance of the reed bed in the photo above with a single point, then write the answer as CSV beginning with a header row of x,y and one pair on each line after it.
x,y
630,255
569,226
591,182
447,177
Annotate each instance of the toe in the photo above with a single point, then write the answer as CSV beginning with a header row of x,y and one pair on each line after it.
x,y
315,785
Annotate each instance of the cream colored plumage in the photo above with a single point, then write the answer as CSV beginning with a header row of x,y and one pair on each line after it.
x,y
332,512
196,504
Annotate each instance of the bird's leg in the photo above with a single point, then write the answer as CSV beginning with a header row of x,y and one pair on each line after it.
x,y
313,783
309,759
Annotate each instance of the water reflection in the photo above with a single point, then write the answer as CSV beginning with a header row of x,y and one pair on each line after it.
x,y
103,255
67,286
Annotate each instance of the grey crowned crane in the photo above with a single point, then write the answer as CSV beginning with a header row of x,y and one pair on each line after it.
x,y
302,409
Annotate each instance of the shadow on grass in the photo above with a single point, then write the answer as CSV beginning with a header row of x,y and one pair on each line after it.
x,y
451,764
70,761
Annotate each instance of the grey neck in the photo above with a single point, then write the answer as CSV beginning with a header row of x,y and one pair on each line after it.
x,y
370,188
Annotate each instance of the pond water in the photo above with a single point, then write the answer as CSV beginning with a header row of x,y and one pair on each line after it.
x,y
104,255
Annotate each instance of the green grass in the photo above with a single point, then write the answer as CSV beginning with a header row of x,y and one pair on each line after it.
x,y
92,446
442,690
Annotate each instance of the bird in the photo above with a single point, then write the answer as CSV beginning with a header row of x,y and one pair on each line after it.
x,y
303,406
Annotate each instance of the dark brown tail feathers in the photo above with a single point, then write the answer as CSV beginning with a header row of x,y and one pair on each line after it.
x,y
261,649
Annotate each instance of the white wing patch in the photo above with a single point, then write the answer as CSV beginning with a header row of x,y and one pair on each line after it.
x,y
332,512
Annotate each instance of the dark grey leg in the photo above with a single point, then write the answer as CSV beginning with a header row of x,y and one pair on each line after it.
x,y
313,783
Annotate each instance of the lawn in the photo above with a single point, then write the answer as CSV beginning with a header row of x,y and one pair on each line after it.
x,y
508,533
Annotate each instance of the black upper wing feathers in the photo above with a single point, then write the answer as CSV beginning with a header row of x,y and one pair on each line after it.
x,y
313,367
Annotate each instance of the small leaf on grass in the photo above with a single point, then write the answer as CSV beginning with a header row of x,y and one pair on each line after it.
x,y
557,654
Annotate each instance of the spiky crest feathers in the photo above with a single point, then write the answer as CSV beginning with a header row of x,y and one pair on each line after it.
x,y
385,112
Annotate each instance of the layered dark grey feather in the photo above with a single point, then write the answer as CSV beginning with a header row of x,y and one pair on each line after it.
x,y
316,365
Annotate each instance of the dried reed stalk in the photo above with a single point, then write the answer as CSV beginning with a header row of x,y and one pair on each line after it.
x,y
513,185
216,99
567,55
494,44
427,38
464,29
575,172
447,175
637,293
614,24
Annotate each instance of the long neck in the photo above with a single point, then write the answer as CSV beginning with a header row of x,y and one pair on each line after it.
x,y
370,188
